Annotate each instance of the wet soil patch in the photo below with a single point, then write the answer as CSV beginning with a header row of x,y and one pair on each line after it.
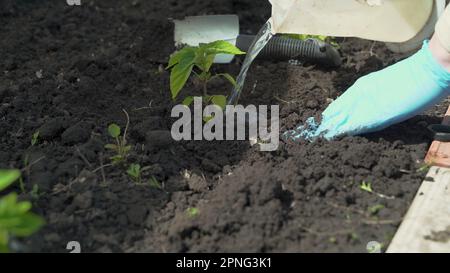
x,y
68,72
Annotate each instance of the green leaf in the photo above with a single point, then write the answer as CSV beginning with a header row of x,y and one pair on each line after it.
x,y
219,100
366,187
325,39
187,54
222,47
209,60
4,238
179,76
207,119
128,148
15,217
188,101
35,138
376,208
229,78
206,99
7,177
29,224
111,146
134,170
116,159
154,183
114,130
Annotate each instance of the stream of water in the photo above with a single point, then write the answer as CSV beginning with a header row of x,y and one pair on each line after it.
x,y
261,40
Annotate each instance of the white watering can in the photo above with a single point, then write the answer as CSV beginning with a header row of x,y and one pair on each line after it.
x,y
403,24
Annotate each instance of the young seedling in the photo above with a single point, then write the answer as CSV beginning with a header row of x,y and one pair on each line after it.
x,y
365,186
16,220
35,193
120,148
198,61
192,212
424,168
154,183
134,171
35,138
375,209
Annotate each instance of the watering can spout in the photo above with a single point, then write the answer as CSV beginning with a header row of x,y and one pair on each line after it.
x,y
381,20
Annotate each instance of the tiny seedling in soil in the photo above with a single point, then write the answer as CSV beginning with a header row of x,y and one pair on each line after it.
x,y
424,168
154,183
375,209
198,61
120,148
21,181
35,194
135,171
16,220
365,186
192,212
35,138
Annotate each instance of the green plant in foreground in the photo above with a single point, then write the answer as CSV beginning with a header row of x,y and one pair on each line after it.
x,y
198,61
15,216
120,147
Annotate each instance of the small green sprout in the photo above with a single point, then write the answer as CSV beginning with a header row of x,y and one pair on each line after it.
x,y
35,138
192,212
198,60
134,171
366,187
373,210
154,183
120,147
424,168
16,220
35,193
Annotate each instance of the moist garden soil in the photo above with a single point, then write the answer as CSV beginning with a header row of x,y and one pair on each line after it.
x,y
68,72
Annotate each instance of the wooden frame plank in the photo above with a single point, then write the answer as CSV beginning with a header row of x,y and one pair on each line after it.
x,y
439,152
426,226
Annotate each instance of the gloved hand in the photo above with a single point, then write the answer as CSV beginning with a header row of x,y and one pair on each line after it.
x,y
382,98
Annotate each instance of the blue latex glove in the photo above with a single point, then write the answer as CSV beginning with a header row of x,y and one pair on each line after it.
x,y
382,98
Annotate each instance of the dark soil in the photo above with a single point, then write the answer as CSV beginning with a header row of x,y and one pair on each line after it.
x,y
68,72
